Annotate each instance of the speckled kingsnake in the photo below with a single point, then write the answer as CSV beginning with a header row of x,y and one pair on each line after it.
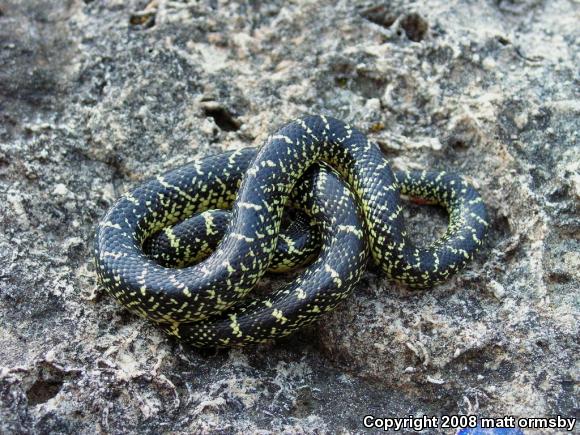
x,y
204,304
194,239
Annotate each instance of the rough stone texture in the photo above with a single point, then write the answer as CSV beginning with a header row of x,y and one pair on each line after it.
x,y
96,96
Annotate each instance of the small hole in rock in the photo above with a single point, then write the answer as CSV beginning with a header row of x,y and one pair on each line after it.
x,y
43,390
142,20
559,277
379,15
502,40
415,27
457,142
223,118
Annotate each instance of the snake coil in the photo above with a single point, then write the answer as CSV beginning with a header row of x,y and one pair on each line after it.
x,y
349,200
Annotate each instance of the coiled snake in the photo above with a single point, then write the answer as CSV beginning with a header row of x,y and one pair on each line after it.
x,y
334,177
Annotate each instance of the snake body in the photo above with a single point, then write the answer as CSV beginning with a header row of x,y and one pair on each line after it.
x,y
320,165
194,239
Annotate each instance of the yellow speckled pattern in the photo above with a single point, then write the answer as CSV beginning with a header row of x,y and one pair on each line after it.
x,y
318,165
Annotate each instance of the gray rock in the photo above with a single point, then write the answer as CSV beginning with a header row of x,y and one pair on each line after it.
x,y
96,96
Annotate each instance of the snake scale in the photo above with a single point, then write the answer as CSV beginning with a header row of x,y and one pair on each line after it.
x,y
349,202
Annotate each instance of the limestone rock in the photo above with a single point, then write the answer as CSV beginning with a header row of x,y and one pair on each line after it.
x,y
96,96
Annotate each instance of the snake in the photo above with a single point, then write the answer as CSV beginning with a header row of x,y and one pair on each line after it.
x,y
192,240
325,169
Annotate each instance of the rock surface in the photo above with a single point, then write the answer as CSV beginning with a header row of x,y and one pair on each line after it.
x,y
96,96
